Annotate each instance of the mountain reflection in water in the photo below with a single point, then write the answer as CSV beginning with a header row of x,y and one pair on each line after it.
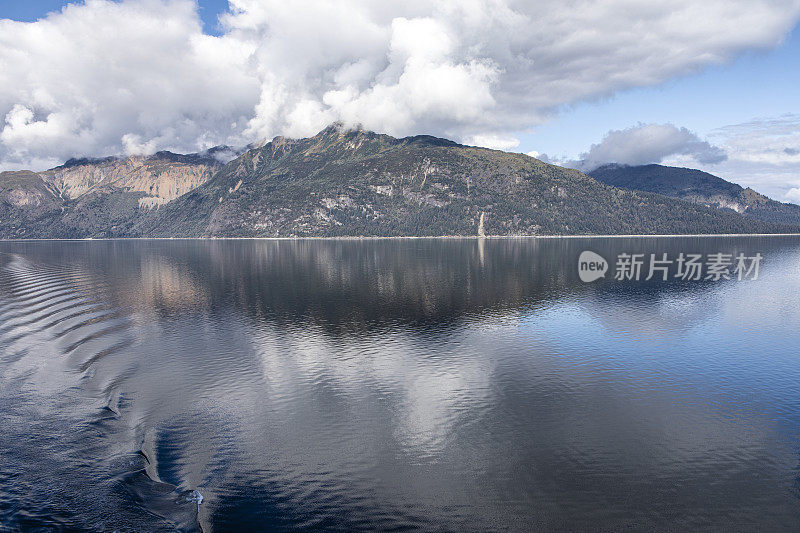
x,y
394,384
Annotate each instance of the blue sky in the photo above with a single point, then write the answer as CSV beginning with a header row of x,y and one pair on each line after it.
x,y
31,10
757,84
743,101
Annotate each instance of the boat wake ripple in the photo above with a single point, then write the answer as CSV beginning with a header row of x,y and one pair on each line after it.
x,y
63,344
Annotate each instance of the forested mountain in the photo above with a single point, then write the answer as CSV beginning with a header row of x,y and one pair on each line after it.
x,y
698,187
341,182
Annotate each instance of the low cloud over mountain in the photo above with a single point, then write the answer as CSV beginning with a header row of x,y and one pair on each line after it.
x,y
650,143
763,154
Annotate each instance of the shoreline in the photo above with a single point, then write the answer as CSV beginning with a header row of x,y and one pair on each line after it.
x,y
437,237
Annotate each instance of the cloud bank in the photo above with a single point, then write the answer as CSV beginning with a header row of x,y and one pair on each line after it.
x,y
137,76
650,143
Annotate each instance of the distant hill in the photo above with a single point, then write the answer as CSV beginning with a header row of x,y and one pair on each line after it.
x,y
698,187
340,183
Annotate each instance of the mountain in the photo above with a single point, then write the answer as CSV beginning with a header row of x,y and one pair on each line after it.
x,y
351,182
340,183
27,205
91,197
700,188
161,177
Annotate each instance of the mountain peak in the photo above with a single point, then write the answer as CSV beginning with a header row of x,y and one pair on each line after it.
x,y
339,128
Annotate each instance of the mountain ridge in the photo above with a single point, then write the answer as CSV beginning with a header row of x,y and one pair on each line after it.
x,y
360,183
698,187
341,182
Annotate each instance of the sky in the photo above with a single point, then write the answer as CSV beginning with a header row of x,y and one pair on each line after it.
x,y
709,85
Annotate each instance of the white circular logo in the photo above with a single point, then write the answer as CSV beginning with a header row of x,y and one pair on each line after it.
x,y
591,267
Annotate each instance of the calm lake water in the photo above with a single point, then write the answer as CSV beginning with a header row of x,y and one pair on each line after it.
x,y
445,385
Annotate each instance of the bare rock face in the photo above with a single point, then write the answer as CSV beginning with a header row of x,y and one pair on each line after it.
x,y
25,191
98,197
162,177
22,198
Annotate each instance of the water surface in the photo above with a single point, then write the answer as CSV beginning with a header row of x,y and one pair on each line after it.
x,y
395,384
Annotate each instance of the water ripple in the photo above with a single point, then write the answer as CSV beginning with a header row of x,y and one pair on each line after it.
x,y
393,385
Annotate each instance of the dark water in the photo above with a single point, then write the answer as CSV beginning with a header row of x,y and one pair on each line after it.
x,y
394,385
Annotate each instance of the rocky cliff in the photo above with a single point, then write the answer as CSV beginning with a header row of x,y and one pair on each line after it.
x,y
162,177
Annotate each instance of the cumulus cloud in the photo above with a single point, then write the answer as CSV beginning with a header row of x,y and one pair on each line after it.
x,y
140,75
650,143
793,195
108,77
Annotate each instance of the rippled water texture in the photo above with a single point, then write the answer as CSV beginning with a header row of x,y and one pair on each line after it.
x,y
400,384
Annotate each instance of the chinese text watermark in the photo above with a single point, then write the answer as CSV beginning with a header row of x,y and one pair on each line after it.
x,y
662,267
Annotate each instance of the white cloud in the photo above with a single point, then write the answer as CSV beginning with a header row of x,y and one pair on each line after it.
x,y
650,143
793,195
496,142
134,145
103,77
763,154
83,81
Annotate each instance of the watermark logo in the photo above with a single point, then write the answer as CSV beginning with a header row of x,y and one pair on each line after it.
x,y
591,266
684,267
